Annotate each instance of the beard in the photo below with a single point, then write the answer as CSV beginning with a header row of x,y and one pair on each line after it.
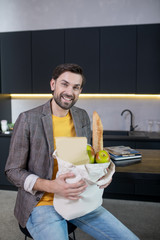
x,y
64,105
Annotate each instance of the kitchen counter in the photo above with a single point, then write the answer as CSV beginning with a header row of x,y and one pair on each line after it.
x,y
150,163
127,135
133,139
5,134
139,181
118,134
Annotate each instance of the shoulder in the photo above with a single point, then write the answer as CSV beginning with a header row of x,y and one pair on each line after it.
x,y
79,111
36,112
80,114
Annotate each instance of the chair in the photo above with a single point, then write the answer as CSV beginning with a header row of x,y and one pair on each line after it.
x,y
71,229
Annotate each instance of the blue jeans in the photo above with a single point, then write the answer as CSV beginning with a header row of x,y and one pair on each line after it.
x,y
45,223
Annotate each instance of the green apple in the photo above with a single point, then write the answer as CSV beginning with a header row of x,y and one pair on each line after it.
x,y
91,153
102,157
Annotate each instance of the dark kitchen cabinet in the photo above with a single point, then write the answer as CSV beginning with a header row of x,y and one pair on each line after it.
x,y
115,59
133,143
148,144
47,53
16,62
5,107
148,58
134,186
82,47
0,62
118,59
4,143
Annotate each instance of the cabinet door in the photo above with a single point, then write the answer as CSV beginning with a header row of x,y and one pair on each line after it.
x,y
0,63
16,62
148,59
47,53
4,143
118,59
5,107
148,145
82,47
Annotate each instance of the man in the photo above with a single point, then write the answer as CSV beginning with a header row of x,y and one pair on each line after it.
x,y
30,165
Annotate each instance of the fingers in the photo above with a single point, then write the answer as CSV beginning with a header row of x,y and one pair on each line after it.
x,y
70,190
112,166
66,175
74,194
105,185
76,185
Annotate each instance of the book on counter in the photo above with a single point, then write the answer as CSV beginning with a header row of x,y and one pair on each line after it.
x,y
118,153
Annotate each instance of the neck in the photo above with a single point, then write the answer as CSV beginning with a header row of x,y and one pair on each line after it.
x,y
58,111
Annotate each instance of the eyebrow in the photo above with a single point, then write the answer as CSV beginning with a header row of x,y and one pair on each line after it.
x,y
78,85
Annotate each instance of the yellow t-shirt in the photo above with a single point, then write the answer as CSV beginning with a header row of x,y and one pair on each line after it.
x,y
62,127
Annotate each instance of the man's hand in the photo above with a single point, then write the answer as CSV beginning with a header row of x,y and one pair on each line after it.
x,y
69,190
59,186
110,170
106,185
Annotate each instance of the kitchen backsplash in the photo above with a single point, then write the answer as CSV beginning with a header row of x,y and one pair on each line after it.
x,y
146,112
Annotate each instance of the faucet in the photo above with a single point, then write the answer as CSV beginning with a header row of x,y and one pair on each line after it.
x,y
131,123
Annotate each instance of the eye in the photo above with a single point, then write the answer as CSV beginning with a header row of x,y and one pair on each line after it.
x,y
76,88
64,84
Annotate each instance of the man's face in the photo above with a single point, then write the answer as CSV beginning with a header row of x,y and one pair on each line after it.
x,y
66,89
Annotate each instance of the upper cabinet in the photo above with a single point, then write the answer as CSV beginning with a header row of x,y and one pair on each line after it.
x,y
16,62
115,59
0,63
118,59
82,47
148,58
47,53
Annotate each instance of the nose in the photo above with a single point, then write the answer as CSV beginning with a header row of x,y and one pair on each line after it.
x,y
69,91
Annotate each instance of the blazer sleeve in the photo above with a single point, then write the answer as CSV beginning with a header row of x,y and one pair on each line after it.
x,y
16,165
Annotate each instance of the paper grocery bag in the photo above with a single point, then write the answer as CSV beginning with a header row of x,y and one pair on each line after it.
x,y
92,196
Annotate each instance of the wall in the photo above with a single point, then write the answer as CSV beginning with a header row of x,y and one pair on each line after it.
x,y
19,15
109,110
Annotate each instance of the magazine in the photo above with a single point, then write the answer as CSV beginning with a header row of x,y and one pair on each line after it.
x,y
123,153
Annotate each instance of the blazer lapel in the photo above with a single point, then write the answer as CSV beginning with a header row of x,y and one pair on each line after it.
x,y
77,123
48,128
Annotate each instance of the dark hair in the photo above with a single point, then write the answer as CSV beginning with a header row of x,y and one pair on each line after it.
x,y
68,67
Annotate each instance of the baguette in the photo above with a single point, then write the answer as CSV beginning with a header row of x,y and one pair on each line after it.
x,y
97,133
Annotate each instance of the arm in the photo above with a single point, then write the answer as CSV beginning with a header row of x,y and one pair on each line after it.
x,y
16,165
60,187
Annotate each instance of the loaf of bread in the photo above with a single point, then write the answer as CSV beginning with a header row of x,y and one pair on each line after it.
x,y
97,133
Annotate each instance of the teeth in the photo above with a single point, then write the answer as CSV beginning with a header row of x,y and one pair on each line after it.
x,y
68,99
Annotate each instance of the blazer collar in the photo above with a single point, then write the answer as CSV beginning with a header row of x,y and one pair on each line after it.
x,y
48,128
76,120
47,123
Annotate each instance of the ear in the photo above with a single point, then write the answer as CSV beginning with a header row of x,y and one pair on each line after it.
x,y
52,84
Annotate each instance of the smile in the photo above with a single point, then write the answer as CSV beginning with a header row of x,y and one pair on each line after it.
x,y
69,99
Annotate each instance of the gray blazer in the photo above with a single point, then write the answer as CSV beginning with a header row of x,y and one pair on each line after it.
x,y
31,152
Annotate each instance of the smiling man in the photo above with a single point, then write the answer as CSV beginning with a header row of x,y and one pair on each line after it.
x,y
31,167
66,89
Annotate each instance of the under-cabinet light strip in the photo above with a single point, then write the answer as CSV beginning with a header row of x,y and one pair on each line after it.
x,y
148,96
